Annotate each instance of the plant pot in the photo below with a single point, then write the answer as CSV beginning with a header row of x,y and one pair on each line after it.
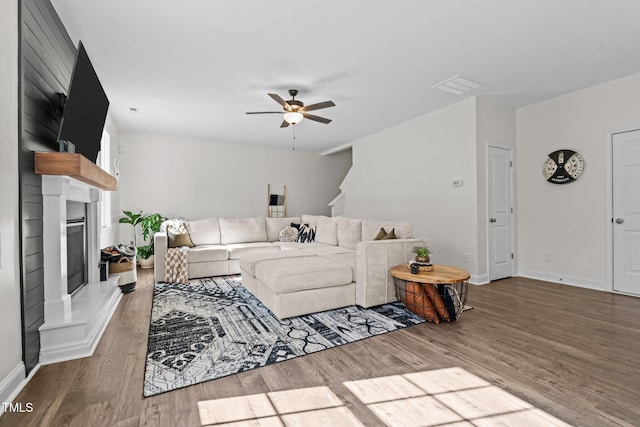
x,y
422,259
146,262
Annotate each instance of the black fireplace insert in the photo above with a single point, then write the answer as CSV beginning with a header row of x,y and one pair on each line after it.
x,y
76,254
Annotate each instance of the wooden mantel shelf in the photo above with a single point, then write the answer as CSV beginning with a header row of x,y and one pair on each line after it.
x,y
76,166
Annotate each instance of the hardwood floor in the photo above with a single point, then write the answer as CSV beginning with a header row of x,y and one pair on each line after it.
x,y
570,352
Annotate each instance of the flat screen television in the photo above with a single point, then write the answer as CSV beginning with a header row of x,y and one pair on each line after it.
x,y
85,109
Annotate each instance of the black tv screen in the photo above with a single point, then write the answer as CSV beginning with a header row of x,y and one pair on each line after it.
x,y
85,109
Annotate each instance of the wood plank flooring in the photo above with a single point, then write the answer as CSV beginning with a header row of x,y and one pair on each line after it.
x,y
570,352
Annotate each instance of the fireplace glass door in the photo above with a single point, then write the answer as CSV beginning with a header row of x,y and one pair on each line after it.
x,y
76,254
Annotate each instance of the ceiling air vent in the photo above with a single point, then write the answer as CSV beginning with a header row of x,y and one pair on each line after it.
x,y
457,85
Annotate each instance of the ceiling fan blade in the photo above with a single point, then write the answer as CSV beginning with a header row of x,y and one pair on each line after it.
x,y
319,105
280,101
317,118
284,124
264,112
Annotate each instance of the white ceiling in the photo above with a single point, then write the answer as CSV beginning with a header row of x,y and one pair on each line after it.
x,y
194,67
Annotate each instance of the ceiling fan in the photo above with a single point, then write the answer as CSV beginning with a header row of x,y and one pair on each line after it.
x,y
294,111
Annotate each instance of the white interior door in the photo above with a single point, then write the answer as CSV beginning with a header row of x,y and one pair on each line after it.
x,y
500,212
626,212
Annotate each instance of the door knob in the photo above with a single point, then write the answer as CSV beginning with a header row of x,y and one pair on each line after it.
x,y
619,221
492,220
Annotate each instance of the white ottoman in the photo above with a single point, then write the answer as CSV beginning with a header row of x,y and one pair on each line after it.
x,y
302,285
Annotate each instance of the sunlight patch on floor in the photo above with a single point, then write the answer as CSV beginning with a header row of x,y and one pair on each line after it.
x,y
449,397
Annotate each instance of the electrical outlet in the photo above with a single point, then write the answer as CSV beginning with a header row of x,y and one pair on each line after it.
x,y
466,257
546,257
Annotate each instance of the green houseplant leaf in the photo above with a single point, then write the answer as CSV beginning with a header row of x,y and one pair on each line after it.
x,y
145,251
130,218
150,224
133,219
422,251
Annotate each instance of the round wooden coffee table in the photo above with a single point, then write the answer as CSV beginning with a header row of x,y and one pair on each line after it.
x,y
440,274
446,286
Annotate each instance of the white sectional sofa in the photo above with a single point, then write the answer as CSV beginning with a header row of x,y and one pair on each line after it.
x,y
343,266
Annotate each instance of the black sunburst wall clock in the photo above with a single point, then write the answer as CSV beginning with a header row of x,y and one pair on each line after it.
x,y
563,166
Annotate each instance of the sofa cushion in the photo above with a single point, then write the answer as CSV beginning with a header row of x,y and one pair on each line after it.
x,y
349,232
205,231
208,253
312,220
238,249
296,246
327,230
249,260
242,230
276,225
371,227
299,274
346,258
325,250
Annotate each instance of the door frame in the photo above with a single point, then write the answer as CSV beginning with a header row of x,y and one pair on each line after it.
x,y
608,219
512,217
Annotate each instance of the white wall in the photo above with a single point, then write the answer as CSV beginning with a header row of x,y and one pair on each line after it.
x,y
406,172
495,125
195,178
110,236
11,366
568,221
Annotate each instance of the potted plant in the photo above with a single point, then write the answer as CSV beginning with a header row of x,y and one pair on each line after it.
x,y
422,254
133,219
127,270
145,255
150,224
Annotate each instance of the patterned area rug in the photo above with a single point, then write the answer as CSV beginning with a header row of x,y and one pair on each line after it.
x,y
214,327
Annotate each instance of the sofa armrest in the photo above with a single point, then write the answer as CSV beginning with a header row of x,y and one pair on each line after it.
x,y
160,243
374,259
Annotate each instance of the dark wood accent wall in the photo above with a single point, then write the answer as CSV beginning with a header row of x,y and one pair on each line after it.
x,y
46,61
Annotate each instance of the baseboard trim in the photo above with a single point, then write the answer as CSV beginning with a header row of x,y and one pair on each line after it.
x,y
564,280
12,384
84,346
23,382
481,279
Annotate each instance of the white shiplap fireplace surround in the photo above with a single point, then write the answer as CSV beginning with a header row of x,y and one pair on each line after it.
x,y
73,324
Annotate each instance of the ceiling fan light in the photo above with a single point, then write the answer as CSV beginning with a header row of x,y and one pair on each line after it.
x,y
293,117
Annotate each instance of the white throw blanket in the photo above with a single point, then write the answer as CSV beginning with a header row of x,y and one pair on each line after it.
x,y
176,270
